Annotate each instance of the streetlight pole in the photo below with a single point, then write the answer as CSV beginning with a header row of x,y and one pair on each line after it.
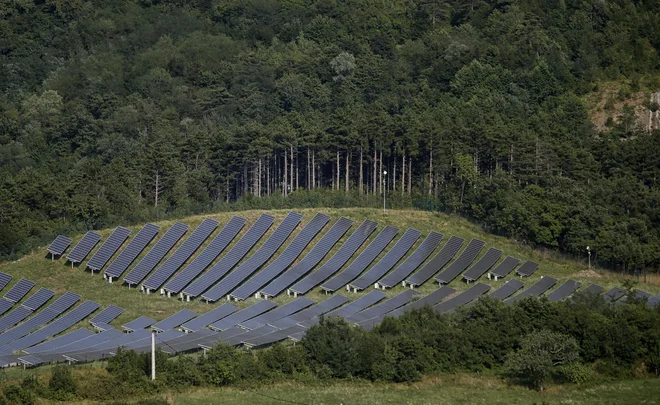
x,y
589,254
384,189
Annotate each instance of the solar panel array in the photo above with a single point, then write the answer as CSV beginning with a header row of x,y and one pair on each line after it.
x,y
614,294
278,313
60,341
592,289
483,265
564,290
315,310
156,254
132,251
265,252
242,315
338,260
541,286
508,289
82,249
19,290
384,307
459,265
463,298
313,258
175,320
108,248
59,245
504,268
365,258
204,259
138,323
352,307
183,253
231,259
109,314
402,246
38,299
5,305
4,280
14,317
209,317
438,262
527,269
413,261
284,260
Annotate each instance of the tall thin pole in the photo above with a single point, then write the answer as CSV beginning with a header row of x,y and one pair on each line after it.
x,y
384,190
153,355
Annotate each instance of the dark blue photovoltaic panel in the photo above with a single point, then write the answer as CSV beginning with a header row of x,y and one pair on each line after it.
x,y
653,301
4,280
175,320
504,268
614,294
438,262
276,336
59,245
284,260
231,259
183,253
388,261
187,342
5,305
592,289
14,317
107,315
82,249
469,254
319,309
243,315
412,262
265,252
384,307
564,290
463,298
338,260
248,335
208,318
541,286
314,257
139,323
156,254
508,289
132,251
365,258
82,345
204,260
38,299
527,269
276,314
63,303
19,290
59,341
108,248
483,265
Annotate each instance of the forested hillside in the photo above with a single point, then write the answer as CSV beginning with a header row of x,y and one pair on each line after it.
x,y
119,110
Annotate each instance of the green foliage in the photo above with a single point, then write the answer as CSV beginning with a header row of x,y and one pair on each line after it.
x,y
541,354
61,384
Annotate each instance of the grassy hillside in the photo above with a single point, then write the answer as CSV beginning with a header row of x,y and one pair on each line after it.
x,y
59,276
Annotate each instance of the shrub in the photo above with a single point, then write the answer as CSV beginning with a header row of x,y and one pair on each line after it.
x,y
285,360
62,385
575,373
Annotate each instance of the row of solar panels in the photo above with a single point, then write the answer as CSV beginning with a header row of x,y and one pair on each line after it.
x,y
240,281
265,323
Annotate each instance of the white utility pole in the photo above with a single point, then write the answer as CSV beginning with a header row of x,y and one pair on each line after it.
x,y
153,355
384,189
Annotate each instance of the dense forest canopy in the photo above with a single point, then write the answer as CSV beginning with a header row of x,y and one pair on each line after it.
x,y
117,110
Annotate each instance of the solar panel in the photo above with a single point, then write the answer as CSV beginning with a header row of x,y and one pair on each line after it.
x,y
120,341
527,269
592,289
231,259
508,289
183,253
138,323
132,251
175,320
412,262
14,317
187,342
31,360
351,308
564,290
273,337
38,299
204,259
653,301
110,313
265,252
108,248
4,280
337,261
102,326
59,245
438,262
209,317
541,286
63,303
251,334
403,245
87,343
319,309
483,265
365,258
276,314
504,268
242,315
463,298
82,249
156,254
164,336
639,295
384,307
19,290
58,326
614,294
284,260
313,258
59,341
5,305
469,254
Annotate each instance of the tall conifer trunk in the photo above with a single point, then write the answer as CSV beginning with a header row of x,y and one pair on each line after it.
x,y
361,175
